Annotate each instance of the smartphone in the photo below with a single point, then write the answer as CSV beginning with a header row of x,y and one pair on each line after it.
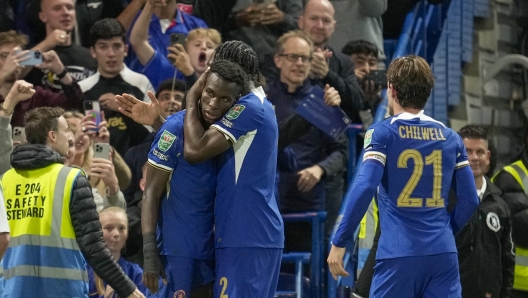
x,y
177,38
19,135
35,58
379,77
101,150
93,109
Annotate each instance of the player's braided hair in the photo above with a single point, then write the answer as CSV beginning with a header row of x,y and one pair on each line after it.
x,y
238,52
230,72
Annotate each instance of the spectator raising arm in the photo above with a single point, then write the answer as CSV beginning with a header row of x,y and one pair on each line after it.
x,y
139,34
20,91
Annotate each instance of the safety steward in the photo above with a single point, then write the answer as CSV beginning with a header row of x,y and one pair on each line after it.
x,y
512,180
54,224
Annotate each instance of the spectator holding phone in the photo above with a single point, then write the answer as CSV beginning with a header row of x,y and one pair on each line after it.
x,y
101,171
109,47
161,18
10,68
189,55
364,54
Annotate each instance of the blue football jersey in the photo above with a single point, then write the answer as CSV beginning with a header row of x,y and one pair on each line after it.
x,y
420,156
246,212
417,158
185,224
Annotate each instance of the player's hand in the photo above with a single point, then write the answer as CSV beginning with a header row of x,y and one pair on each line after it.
x,y
335,261
181,59
331,96
136,294
141,112
319,68
271,15
20,91
309,177
195,93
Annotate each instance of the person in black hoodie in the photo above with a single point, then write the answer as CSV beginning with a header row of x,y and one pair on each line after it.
x,y
42,229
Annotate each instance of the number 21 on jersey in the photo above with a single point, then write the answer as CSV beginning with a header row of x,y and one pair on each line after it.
x,y
434,159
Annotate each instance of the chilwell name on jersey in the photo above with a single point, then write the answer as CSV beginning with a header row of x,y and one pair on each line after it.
x,y
421,133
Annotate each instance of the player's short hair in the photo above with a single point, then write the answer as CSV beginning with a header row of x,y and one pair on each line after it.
x,y
360,47
11,36
240,53
279,48
412,79
472,131
230,72
210,33
179,85
106,29
40,121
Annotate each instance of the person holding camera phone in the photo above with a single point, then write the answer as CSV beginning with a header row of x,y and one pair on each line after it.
x,y
160,19
364,54
188,52
100,168
10,70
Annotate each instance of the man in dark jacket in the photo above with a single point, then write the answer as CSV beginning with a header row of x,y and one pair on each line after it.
x,y
52,215
512,180
485,248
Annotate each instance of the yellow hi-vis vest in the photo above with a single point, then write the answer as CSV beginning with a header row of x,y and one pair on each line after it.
x,y
520,279
43,255
367,231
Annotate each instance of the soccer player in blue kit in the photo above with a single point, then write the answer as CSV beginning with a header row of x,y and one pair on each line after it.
x,y
249,235
414,160
185,222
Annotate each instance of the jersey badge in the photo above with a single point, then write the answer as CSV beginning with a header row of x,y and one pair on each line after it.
x,y
166,140
368,138
235,111
493,222
180,294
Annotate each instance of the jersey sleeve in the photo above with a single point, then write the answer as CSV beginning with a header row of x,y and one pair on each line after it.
x,y
375,145
242,118
461,159
166,145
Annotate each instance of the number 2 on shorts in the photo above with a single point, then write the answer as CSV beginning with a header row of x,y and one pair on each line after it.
x,y
223,282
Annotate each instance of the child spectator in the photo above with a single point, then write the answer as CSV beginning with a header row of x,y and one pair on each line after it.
x,y
115,233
